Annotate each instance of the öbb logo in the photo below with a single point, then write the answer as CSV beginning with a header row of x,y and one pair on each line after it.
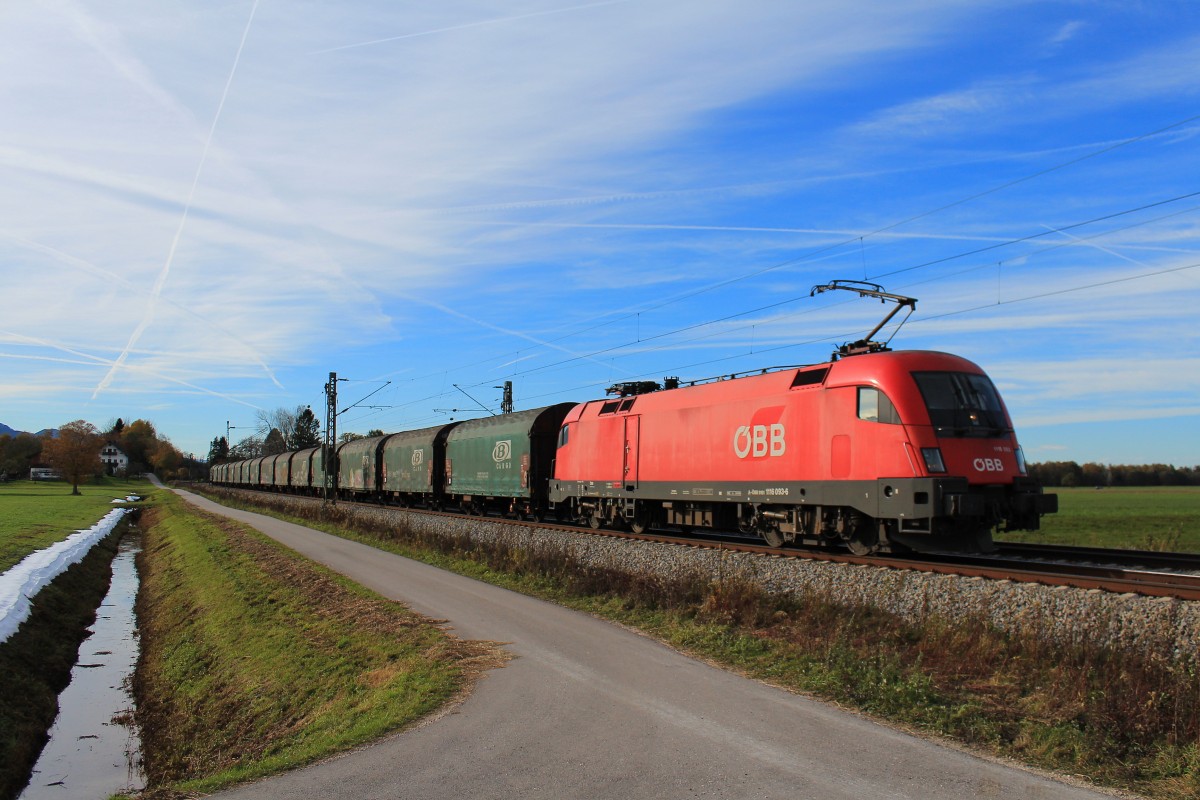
x,y
502,451
988,465
758,441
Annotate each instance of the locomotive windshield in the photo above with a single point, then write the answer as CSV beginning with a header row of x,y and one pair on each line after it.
x,y
962,404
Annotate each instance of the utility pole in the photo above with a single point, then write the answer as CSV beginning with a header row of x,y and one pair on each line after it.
x,y
330,455
506,405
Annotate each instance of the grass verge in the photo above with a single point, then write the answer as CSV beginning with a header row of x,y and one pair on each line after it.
x,y
1117,718
255,660
36,514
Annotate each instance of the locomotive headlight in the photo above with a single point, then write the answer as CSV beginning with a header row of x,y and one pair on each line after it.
x,y
1021,461
933,459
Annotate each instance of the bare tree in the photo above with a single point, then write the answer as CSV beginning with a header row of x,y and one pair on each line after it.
x,y
76,451
281,419
250,447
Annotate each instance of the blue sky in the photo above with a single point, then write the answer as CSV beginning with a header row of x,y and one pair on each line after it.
x,y
206,208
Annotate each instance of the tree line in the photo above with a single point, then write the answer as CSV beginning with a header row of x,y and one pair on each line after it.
x,y
75,451
1069,473
275,432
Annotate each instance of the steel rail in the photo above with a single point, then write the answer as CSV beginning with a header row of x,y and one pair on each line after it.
x,y
1101,555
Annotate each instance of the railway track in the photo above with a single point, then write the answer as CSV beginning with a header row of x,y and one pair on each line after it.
x,y
1187,562
1151,574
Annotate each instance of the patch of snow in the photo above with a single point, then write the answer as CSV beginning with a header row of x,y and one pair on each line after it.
x,y
21,583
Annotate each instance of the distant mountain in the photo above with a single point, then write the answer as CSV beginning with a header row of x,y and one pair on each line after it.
x,y
13,431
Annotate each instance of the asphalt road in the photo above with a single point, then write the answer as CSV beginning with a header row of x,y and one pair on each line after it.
x,y
588,709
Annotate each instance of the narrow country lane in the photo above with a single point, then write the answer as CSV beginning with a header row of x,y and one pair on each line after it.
x,y
588,709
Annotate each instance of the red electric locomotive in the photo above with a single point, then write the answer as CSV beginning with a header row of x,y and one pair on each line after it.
x,y
878,450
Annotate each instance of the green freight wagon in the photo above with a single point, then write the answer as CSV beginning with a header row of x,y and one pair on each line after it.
x,y
358,467
254,478
274,470
244,472
504,463
413,465
300,479
317,484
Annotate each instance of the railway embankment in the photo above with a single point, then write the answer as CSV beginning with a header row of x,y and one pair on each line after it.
x,y
1064,615
1083,682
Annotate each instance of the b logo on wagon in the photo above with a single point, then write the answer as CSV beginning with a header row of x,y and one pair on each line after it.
x,y
417,457
502,451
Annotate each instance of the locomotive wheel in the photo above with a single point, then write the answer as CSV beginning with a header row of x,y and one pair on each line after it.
x,y
864,540
772,536
594,521
641,520
982,541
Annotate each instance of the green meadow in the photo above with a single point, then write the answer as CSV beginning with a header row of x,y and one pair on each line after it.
x,y
1163,518
36,514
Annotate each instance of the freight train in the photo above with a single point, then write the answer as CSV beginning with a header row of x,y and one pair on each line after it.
x,y
875,450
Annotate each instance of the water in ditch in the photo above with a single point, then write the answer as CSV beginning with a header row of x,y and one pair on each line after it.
x,y
92,754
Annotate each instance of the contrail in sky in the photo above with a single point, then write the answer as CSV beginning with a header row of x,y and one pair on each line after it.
x,y
469,25
108,275
91,359
485,324
166,270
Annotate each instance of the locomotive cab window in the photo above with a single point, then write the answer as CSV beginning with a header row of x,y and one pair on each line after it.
x,y
562,435
962,404
874,406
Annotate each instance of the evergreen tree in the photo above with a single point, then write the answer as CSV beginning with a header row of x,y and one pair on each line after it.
x,y
307,432
218,451
274,444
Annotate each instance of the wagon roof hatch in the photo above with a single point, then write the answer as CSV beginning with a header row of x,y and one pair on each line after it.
x,y
864,289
